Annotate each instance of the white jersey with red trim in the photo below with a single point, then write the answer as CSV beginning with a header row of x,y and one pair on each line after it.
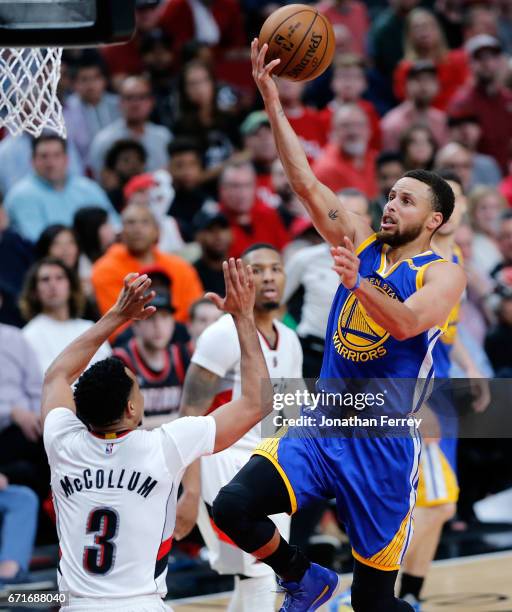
x,y
218,350
115,501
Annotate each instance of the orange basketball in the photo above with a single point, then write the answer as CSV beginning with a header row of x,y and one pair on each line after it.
x,y
302,38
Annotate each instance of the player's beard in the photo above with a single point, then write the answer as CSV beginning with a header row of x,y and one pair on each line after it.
x,y
400,238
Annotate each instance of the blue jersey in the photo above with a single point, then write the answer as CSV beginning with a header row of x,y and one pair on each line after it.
x,y
357,347
443,348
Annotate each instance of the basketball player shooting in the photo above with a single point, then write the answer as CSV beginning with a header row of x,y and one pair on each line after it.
x,y
394,297
115,486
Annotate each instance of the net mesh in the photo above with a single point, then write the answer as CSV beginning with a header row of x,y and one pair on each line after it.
x,y
29,79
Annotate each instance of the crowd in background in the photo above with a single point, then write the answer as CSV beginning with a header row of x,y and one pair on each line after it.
x,y
170,166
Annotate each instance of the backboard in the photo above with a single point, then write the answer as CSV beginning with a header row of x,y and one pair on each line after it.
x,y
65,23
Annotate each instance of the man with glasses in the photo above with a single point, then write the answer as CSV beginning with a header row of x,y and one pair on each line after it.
x,y
137,103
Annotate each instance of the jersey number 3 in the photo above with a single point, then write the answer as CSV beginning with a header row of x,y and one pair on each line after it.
x,y
104,523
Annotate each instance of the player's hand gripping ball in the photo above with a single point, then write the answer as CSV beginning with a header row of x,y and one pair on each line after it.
x,y
302,38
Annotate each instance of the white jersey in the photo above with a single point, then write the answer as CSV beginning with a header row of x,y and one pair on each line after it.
x,y
218,350
115,500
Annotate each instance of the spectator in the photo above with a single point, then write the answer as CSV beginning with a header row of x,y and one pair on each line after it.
x,y
215,22
474,314
214,236
52,302
90,108
158,363
18,523
261,147
305,121
457,158
138,249
125,60
250,220
22,457
349,83
466,130
485,98
95,234
60,242
387,35
290,208
137,104
390,167
499,339
450,16
186,169
125,159
199,117
16,159
418,148
485,207
16,256
424,41
202,314
481,19
155,191
351,14
502,273
51,195
347,161
158,59
421,88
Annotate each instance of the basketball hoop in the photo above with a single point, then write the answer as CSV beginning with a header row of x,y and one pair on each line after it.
x,y
29,79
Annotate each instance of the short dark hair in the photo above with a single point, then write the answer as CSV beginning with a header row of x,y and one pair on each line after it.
x,y
86,224
257,246
449,175
119,147
48,137
389,157
90,58
183,144
101,393
443,198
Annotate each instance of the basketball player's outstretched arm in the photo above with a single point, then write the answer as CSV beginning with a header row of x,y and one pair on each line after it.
x,y
72,361
443,284
331,220
237,417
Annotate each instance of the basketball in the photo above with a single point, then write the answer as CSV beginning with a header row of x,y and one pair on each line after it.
x,y
302,38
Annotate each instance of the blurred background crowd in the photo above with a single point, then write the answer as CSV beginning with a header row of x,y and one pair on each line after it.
x,y
170,166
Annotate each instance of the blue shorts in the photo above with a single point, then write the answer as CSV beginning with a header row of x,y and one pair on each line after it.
x,y
372,479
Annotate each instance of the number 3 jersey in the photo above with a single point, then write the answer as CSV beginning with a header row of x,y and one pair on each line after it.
x,y
115,500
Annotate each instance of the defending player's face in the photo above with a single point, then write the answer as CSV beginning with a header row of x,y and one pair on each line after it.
x,y
408,213
269,278
136,399
459,210
156,332
52,287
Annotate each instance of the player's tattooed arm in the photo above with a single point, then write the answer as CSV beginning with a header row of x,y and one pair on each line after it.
x,y
199,390
333,214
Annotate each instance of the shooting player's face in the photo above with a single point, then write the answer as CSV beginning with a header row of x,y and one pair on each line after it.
x,y
408,213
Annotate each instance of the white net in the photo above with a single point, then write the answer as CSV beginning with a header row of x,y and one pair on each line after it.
x,y
29,79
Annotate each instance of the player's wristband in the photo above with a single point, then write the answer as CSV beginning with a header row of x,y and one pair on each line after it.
x,y
358,282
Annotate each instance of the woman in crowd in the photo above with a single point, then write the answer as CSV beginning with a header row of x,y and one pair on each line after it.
x,y
418,147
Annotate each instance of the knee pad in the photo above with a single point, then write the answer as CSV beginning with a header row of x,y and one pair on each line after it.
x,y
230,509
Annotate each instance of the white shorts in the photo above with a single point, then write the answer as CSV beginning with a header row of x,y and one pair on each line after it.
x,y
147,603
226,558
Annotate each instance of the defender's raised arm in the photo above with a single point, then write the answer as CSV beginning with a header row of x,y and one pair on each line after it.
x,y
327,214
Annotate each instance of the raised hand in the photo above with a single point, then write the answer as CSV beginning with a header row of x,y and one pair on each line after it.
x,y
133,299
240,292
261,73
346,263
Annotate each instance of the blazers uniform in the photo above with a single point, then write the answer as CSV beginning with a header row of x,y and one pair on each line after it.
x,y
373,478
218,350
115,501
